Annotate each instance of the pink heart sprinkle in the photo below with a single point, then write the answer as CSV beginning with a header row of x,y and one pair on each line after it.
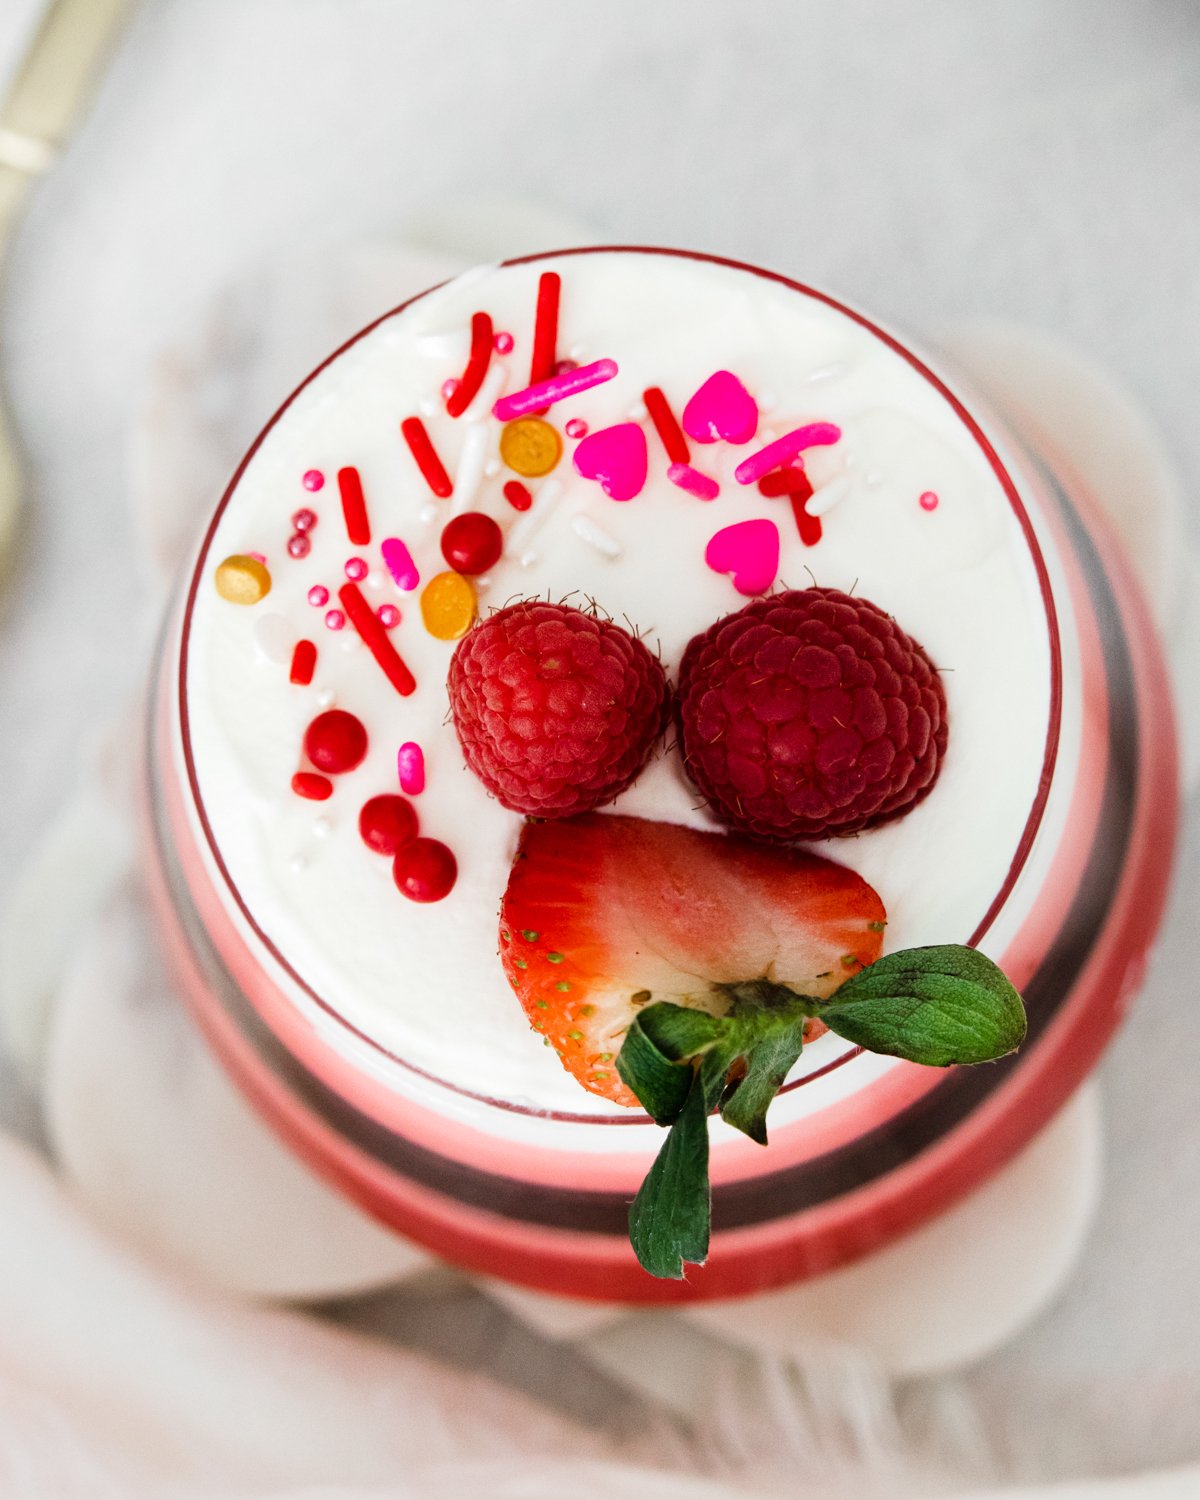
x,y
721,409
748,552
397,559
616,458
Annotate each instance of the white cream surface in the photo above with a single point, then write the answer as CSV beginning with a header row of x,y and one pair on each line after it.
x,y
424,980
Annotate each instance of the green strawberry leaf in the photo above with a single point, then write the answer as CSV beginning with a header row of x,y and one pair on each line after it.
x,y
660,1039
767,1065
670,1218
936,1006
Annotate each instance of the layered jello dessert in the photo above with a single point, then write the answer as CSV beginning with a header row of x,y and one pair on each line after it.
x,y
623,691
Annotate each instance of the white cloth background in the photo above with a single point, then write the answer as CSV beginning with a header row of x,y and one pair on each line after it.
x,y
936,161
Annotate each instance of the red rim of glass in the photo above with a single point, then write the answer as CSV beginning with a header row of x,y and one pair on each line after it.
x,y
1037,810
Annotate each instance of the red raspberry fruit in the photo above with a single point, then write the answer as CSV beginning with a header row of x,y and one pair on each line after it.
x,y
556,709
810,714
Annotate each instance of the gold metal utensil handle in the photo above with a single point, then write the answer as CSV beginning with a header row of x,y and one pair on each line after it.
x,y
51,89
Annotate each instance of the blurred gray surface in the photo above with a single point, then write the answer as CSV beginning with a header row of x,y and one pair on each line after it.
x,y
934,161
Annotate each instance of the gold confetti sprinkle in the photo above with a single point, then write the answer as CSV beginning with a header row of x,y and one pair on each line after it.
x,y
242,580
448,606
530,446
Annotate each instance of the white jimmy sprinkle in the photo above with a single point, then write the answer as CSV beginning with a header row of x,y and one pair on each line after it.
x,y
829,495
470,467
453,344
596,536
486,396
828,372
527,526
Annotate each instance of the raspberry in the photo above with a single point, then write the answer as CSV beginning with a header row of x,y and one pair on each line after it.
x,y
810,714
556,709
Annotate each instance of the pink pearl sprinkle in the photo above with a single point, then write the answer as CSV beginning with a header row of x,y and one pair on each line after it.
x,y
389,616
565,366
318,595
356,569
449,388
335,619
304,520
258,557
313,480
929,501
299,545
576,428
503,343
410,767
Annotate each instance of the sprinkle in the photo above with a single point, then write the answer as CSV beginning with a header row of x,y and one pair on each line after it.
x,y
305,520
399,563
258,557
576,428
448,388
557,388
322,827
477,365
783,450
354,507
517,495
313,481
470,466
242,580
273,637
299,546
545,327
828,372
670,434
356,569
565,366
530,447
480,410
829,495
789,481
376,640
455,343
596,536
318,595
693,481
312,786
389,616
304,661
428,462
503,343
325,698
335,619
410,768
448,606
929,501
524,531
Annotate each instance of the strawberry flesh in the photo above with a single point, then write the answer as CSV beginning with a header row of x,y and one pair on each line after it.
x,y
604,914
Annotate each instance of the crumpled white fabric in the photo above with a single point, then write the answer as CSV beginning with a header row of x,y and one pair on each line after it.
x,y
119,1376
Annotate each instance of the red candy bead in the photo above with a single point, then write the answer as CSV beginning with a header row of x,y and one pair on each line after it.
x,y
425,870
335,741
387,824
315,788
472,542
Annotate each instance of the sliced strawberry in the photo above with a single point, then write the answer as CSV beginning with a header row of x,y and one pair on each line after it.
x,y
604,914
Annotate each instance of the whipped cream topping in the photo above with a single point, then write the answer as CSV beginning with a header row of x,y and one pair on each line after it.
x,y
912,516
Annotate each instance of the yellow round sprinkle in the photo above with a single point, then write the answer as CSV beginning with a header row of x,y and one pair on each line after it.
x,y
530,446
243,580
448,606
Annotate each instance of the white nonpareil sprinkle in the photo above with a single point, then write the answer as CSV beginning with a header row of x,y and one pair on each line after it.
x,y
829,495
325,698
595,536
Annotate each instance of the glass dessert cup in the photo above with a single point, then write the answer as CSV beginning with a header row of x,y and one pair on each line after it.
x,y
862,1148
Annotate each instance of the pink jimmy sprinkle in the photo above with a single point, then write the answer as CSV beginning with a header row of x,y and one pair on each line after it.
x,y
783,450
397,559
693,481
410,767
557,388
